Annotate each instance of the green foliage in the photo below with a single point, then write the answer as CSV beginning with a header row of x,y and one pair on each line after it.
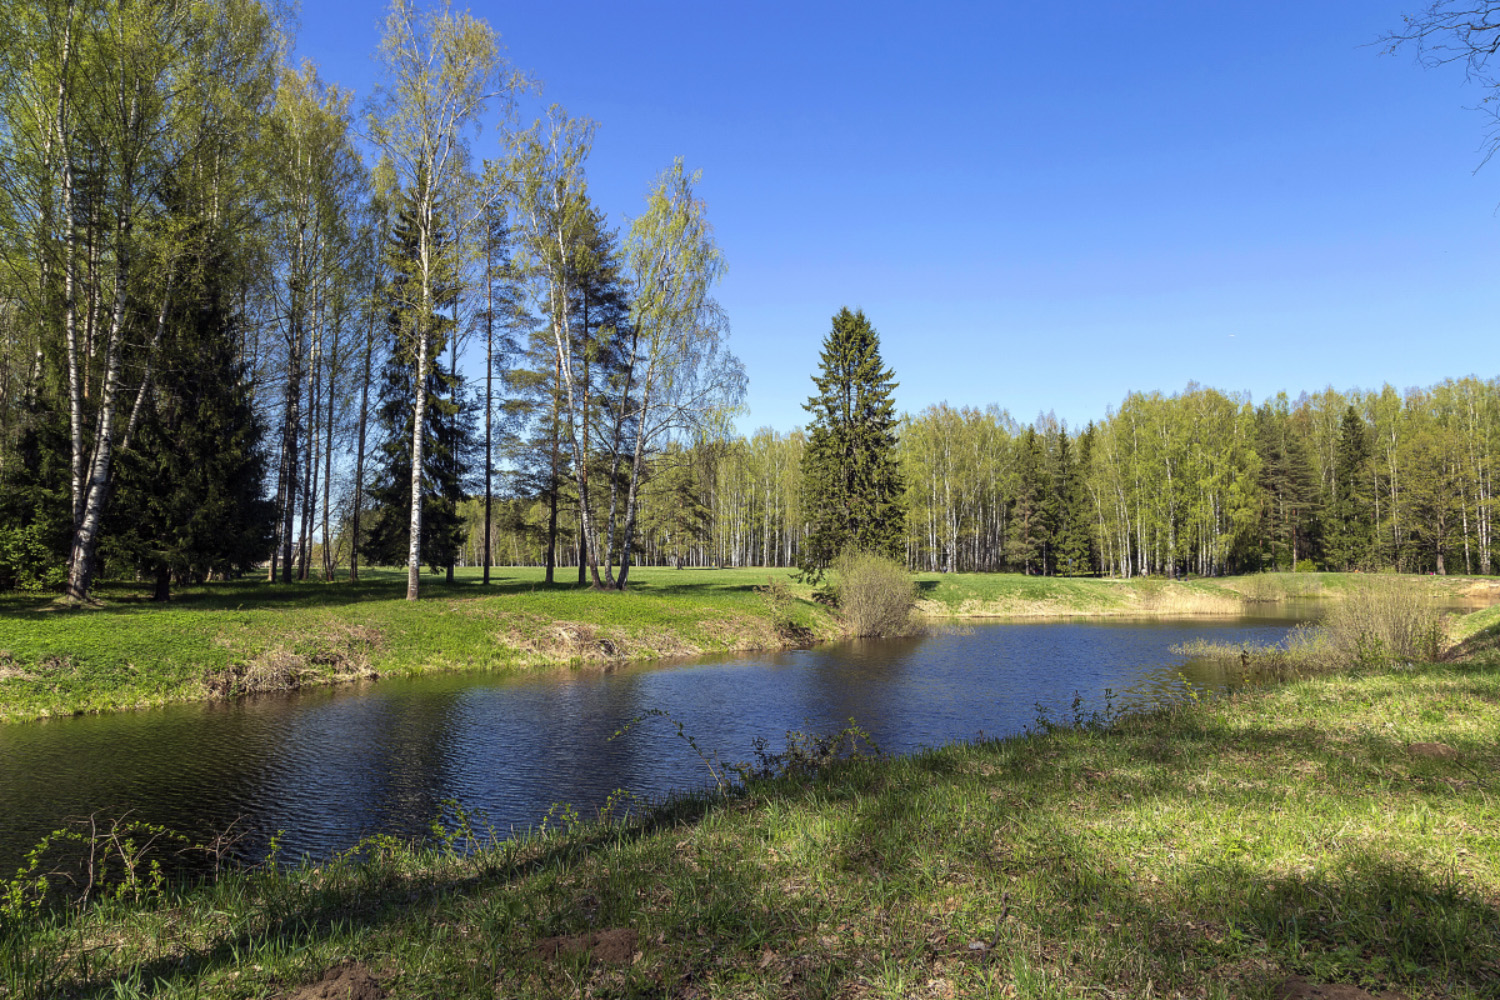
x,y
29,560
188,497
851,483
1348,529
808,755
448,432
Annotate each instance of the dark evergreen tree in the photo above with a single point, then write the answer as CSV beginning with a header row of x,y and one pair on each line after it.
x,y
676,514
189,491
1073,541
1289,526
1348,530
450,437
1026,546
35,526
851,486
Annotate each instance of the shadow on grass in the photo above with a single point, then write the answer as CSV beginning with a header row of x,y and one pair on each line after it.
x,y
251,595
1007,824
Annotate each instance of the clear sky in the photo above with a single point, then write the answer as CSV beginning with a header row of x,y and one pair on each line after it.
x,y
1040,206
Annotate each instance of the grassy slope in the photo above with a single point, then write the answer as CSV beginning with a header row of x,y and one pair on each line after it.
x,y
131,652
1209,851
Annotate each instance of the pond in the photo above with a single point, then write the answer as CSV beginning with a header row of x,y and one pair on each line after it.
x,y
330,765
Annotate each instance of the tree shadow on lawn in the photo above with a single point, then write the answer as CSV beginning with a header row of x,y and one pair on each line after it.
x,y
1223,912
1006,829
248,595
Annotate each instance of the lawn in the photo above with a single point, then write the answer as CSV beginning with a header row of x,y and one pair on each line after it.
x,y
228,638
1337,830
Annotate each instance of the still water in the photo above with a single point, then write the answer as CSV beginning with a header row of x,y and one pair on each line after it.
x,y
329,765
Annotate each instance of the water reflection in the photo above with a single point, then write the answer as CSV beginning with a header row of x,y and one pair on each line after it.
x,y
328,766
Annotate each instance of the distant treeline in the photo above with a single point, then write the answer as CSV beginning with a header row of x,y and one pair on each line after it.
x,y
1201,482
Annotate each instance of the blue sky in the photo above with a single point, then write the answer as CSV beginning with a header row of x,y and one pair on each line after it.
x,y
1039,206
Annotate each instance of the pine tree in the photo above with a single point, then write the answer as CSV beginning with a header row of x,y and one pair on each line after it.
x,y
851,486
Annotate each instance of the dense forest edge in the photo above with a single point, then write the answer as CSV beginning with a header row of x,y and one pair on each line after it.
x,y
1336,829
240,638
252,325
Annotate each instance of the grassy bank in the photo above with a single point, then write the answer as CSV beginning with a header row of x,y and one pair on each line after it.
x,y
226,639
230,638
1010,595
1335,830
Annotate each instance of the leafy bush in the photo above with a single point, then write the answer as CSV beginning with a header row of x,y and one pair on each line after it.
x,y
27,562
876,596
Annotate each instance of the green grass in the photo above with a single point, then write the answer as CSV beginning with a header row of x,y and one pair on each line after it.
x,y
1211,851
227,637
1015,595
230,638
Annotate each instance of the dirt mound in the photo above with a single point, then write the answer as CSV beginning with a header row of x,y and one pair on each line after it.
x,y
350,981
1440,750
1297,988
615,946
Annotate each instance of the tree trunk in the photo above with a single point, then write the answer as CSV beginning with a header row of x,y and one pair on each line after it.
x,y
489,396
632,495
86,537
419,418
359,451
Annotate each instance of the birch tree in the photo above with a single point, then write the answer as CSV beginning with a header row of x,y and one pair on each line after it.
x,y
440,72
685,376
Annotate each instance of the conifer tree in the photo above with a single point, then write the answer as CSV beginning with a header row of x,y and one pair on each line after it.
x,y
189,492
448,425
1029,536
1288,486
1348,535
851,485
1073,550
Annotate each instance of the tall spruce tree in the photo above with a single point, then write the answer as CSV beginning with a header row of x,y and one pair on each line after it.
x,y
1033,508
1289,525
189,498
449,434
1348,535
852,494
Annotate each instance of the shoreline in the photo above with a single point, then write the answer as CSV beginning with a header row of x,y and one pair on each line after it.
x,y
1331,830
223,641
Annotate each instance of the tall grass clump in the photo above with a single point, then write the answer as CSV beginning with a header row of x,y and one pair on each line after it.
x,y
876,596
1383,620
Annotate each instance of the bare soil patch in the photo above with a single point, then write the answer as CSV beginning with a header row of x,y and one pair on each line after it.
x,y
1442,751
614,946
350,981
1297,988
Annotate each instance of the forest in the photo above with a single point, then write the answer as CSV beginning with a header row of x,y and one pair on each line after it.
x,y
250,324
1201,482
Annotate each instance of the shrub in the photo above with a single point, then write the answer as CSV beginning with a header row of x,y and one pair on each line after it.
x,y
876,596
1386,619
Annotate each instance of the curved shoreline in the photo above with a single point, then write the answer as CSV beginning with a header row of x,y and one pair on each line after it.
x,y
230,639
